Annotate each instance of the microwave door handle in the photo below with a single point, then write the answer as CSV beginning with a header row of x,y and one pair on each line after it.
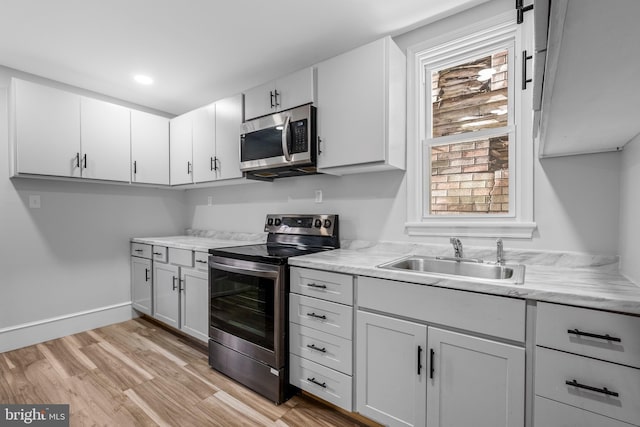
x,y
286,136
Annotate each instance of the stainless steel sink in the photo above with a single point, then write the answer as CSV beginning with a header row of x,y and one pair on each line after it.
x,y
510,274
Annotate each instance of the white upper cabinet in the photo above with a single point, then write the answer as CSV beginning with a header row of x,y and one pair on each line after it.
x,y
228,120
205,143
61,134
584,99
46,130
361,109
105,140
149,148
284,93
180,149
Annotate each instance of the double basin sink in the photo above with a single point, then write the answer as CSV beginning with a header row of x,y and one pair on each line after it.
x,y
459,268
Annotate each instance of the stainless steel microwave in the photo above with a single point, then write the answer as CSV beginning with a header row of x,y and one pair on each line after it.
x,y
280,144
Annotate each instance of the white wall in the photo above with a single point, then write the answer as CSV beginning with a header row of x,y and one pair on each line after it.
x,y
72,254
630,211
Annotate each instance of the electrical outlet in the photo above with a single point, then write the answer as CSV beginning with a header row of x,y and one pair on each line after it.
x,y
318,196
34,201
209,200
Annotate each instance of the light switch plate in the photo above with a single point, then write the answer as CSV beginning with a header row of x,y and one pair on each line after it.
x,y
318,196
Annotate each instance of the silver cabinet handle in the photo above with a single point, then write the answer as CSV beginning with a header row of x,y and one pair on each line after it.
x,y
174,283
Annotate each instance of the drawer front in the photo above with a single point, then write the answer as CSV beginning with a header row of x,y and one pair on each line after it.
x,y
322,284
141,250
326,349
327,384
200,260
183,257
553,368
487,314
554,323
160,253
551,413
325,316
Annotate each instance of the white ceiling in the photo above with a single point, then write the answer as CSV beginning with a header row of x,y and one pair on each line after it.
x,y
197,51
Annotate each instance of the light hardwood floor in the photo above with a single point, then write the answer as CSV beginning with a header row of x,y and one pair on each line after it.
x,y
138,374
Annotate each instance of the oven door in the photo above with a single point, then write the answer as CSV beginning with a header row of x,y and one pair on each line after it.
x,y
279,140
247,308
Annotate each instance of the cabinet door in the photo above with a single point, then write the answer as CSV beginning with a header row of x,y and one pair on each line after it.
x,y
141,289
351,107
105,140
180,150
47,130
204,143
474,381
228,121
390,370
166,293
195,303
149,148
295,89
259,101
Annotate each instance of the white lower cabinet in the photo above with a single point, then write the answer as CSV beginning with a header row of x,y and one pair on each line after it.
x,y
586,367
166,293
390,370
141,278
172,285
195,303
321,335
409,373
473,381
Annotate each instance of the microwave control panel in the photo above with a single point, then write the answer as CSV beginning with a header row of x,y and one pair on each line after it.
x,y
299,139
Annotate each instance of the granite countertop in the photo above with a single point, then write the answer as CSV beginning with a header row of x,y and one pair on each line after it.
x,y
203,240
569,278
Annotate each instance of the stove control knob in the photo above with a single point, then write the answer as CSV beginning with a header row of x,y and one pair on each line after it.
x,y
270,221
327,223
277,222
317,223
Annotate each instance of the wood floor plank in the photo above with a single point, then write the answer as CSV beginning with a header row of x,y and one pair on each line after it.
x,y
74,345
133,396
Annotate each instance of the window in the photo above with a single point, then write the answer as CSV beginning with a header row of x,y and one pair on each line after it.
x,y
470,147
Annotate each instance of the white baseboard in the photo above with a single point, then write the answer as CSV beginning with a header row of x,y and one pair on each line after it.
x,y
39,331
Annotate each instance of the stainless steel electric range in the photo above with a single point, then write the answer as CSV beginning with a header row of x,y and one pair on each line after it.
x,y
249,298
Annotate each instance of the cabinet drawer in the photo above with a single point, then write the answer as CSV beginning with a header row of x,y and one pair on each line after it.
x,y
325,316
551,413
322,284
553,368
141,250
183,257
555,321
326,349
160,253
487,314
201,260
327,384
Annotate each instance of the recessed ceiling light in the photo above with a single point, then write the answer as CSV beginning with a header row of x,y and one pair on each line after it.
x,y
142,79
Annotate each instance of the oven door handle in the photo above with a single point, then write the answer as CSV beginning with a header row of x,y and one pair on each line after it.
x,y
255,270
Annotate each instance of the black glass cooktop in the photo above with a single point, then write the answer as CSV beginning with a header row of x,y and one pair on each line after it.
x,y
264,252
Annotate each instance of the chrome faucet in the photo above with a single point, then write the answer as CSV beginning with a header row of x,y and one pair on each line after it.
x,y
499,252
457,247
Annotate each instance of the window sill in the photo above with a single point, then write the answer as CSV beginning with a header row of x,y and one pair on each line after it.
x,y
465,228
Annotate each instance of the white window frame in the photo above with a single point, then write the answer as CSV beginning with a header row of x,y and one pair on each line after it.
x,y
501,30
